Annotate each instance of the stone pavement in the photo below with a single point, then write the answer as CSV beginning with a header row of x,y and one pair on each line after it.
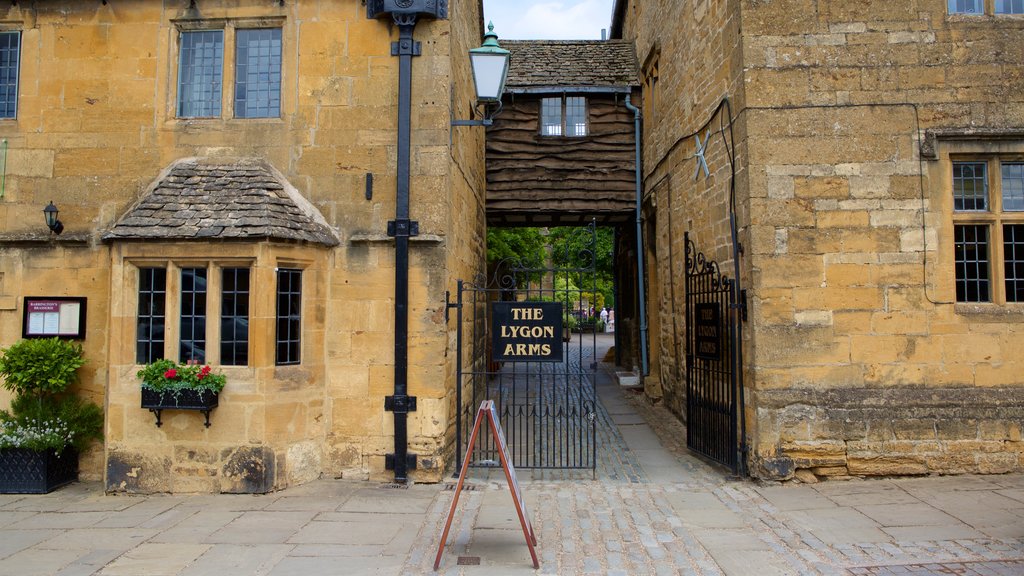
x,y
652,509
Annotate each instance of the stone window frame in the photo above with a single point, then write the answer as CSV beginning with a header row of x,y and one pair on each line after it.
x,y
9,89
230,28
546,127
993,219
173,302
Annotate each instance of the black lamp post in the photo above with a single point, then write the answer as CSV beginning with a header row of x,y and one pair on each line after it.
x,y
404,13
50,214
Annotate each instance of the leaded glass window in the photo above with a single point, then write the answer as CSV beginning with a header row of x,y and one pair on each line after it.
x,y
972,263
551,116
1013,186
149,332
289,316
1009,6
258,73
970,186
10,52
200,74
192,342
234,317
1013,260
966,7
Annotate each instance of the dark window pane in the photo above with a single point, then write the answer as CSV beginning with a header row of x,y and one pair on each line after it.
x,y
289,308
972,260
234,319
193,315
970,186
1013,253
149,334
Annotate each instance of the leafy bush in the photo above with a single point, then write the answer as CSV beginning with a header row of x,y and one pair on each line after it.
x,y
40,366
170,376
42,416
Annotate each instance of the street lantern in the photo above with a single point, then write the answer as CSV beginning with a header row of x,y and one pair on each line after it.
x,y
50,214
490,67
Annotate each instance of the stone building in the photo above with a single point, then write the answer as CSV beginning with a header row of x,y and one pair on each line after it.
x,y
243,154
861,165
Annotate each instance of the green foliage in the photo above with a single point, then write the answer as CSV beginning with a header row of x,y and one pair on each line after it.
x,y
170,376
42,416
48,422
526,245
40,366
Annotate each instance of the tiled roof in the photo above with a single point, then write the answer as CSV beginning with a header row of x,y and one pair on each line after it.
x,y
217,198
570,63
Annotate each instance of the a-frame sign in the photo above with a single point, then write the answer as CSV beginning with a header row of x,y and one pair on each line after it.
x,y
488,411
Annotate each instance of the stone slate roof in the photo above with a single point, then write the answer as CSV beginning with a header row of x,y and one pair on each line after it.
x,y
218,198
570,63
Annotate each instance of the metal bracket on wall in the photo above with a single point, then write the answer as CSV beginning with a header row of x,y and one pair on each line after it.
x,y
406,47
449,305
406,228
389,461
400,404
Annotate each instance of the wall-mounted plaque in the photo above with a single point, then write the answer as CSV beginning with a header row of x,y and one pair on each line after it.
x,y
49,316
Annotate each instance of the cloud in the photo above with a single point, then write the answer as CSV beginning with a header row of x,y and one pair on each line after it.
x,y
549,20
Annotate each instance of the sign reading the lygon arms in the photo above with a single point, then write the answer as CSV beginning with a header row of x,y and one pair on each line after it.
x,y
527,331
708,329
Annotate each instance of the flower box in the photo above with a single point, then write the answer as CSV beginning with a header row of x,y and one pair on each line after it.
x,y
24,471
185,399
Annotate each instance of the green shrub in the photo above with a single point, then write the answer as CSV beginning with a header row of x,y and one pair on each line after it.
x,y
40,366
42,415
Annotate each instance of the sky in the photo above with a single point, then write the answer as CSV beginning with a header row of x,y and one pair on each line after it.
x,y
548,19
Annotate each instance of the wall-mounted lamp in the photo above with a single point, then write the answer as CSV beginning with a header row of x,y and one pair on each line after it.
x,y
50,213
490,69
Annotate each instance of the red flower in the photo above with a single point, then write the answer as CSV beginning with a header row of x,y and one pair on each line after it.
x,y
171,374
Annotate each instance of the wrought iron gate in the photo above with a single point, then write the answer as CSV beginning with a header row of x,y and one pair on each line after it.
x,y
547,409
713,329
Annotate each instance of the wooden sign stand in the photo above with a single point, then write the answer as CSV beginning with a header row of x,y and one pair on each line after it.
x,y
488,410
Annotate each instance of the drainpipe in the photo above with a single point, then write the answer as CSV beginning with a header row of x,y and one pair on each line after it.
x,y
405,14
640,279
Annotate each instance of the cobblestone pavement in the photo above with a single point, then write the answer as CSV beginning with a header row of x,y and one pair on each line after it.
x,y
653,508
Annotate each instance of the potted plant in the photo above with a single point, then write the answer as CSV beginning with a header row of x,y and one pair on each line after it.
x,y
45,428
167,384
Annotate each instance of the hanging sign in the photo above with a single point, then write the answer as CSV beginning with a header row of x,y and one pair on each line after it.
x,y
487,410
49,316
708,328
526,331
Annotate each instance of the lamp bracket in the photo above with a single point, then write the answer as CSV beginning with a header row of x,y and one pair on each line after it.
x,y
407,228
406,47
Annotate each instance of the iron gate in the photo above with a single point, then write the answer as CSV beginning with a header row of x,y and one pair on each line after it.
x,y
713,326
547,409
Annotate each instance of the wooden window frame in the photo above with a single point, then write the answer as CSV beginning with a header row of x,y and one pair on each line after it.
x,y
994,218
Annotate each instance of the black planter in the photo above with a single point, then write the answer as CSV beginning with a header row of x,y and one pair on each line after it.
x,y
201,400
24,471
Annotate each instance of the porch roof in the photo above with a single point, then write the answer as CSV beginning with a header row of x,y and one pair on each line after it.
x,y
225,199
